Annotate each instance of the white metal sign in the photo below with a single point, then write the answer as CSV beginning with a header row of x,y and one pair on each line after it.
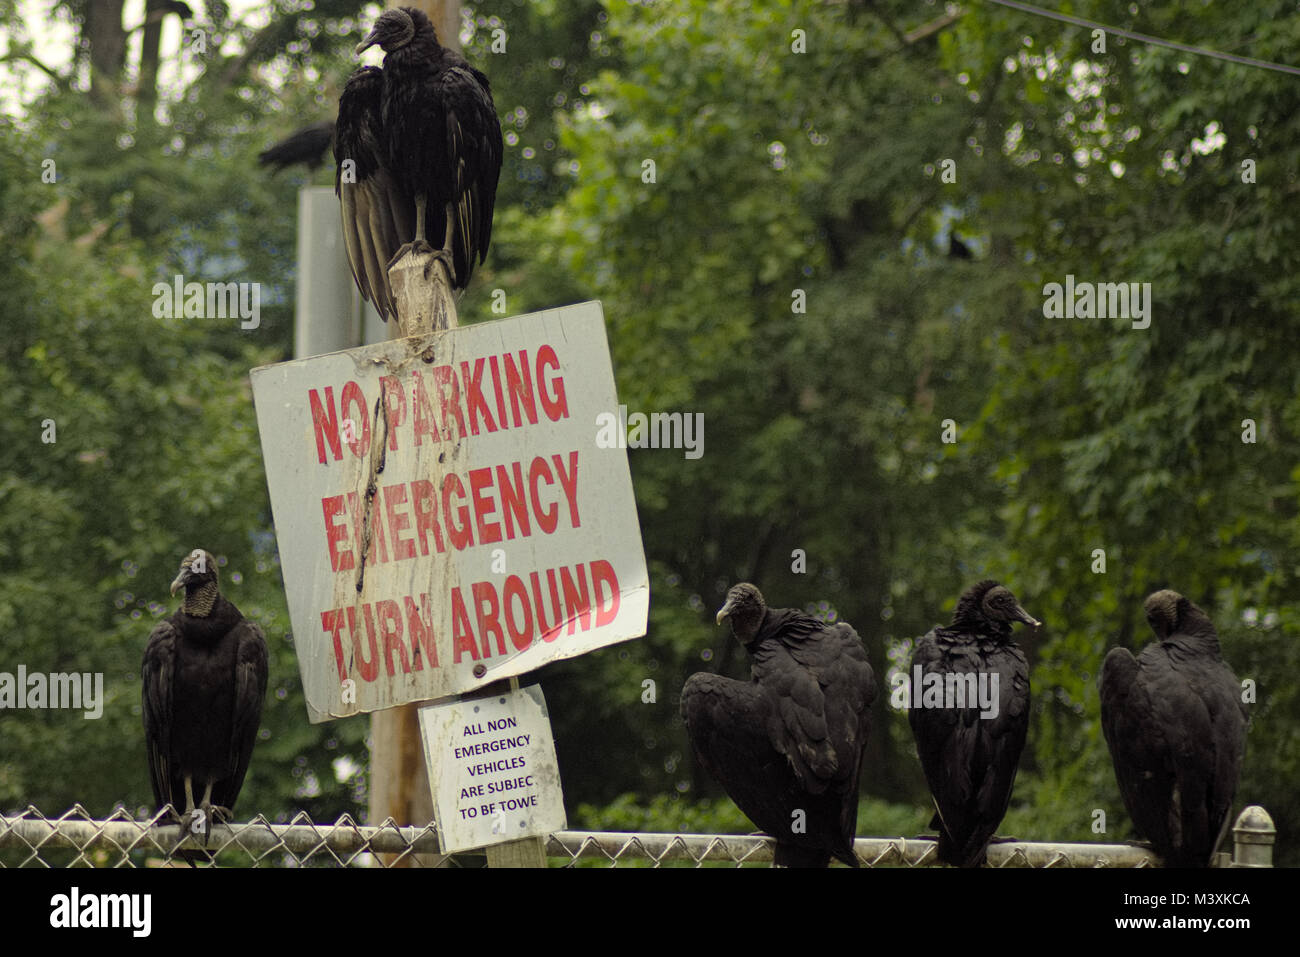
x,y
492,769
444,513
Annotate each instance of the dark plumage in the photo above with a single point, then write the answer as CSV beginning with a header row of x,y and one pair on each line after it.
x,y
792,739
307,146
204,680
970,760
1176,727
426,143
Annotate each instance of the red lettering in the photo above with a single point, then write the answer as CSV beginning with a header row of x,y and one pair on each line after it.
x,y
422,418
546,519
327,428
552,631
577,602
462,637
330,621
461,536
555,404
514,507
425,504
369,668
602,573
476,406
390,633
396,495
394,407
569,483
520,636
519,383
420,628
449,396
340,559
489,611
360,443
480,479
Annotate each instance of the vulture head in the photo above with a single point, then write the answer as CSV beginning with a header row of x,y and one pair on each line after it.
x,y
745,607
198,576
393,30
1169,613
992,603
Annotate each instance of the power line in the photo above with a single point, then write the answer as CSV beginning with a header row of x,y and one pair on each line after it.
x,y
1147,38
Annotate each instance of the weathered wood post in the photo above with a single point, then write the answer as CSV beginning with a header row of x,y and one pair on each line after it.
x,y
400,785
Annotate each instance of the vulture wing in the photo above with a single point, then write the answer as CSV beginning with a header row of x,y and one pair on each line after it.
x,y
377,216
157,675
474,152
727,721
250,692
1139,746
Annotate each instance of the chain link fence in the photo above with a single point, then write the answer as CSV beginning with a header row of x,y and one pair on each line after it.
x,y
76,839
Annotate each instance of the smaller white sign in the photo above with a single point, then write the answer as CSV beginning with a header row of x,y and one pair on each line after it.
x,y
492,769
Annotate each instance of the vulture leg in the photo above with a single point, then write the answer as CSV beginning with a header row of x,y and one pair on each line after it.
x,y
422,245
191,809
206,807
445,254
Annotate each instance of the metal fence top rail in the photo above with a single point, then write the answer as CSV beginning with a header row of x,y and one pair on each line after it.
x,y
75,838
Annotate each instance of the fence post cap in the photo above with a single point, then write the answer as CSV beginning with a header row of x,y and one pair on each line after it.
x,y
1254,826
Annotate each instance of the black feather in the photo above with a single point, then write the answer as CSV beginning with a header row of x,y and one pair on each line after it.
x,y
204,681
792,739
425,138
970,761
307,147
1176,727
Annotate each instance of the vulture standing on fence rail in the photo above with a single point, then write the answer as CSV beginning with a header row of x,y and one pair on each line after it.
x,y
1176,727
787,746
970,754
204,680
418,146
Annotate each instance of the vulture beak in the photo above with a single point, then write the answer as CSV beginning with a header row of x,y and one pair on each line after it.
x,y
723,612
180,580
371,39
1027,618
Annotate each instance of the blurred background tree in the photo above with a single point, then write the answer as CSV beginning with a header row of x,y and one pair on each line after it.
x,y
800,270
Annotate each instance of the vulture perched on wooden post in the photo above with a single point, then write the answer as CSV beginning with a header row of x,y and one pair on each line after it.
x,y
419,148
970,749
1176,727
787,746
204,680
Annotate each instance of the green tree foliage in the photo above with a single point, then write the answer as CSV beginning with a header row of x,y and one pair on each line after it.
x,y
784,268
824,171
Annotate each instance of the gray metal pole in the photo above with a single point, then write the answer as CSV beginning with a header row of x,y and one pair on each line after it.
x,y
324,301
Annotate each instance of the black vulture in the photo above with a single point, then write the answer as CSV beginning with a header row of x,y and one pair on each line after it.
x,y
376,214
426,145
1176,726
788,745
204,680
970,750
307,146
